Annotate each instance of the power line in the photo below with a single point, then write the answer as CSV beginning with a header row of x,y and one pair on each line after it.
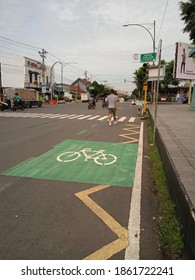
x,y
163,19
22,44
42,53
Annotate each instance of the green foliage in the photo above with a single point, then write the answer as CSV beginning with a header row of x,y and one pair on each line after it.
x,y
140,77
61,97
135,94
168,79
148,98
188,16
126,97
99,90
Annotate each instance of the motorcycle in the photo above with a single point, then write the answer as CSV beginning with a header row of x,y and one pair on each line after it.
x,y
104,104
91,105
18,105
5,105
11,105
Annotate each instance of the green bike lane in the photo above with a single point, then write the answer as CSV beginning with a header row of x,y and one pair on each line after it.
x,y
88,177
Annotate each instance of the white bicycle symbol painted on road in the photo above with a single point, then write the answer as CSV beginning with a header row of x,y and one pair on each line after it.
x,y
99,156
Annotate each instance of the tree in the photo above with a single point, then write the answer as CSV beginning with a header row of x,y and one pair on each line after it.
x,y
135,94
99,90
139,77
188,16
168,79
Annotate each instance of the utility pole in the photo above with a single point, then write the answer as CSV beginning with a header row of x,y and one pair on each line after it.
x,y
157,91
43,56
0,83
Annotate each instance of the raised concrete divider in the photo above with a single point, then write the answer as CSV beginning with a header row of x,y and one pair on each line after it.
x,y
175,139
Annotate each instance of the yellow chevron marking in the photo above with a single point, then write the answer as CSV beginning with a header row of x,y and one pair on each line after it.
x,y
114,247
131,129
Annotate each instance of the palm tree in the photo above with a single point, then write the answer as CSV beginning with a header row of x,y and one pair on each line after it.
x,y
188,16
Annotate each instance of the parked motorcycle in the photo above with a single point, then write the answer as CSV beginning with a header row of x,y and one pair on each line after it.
x,y
5,105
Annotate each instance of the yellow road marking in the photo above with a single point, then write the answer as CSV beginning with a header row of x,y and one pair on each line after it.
x,y
114,247
131,131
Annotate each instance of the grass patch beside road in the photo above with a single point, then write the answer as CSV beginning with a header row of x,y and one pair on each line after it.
x,y
169,229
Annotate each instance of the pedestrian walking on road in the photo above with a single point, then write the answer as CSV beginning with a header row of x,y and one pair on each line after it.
x,y
112,106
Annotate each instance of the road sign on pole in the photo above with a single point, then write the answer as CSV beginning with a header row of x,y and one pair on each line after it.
x,y
148,57
136,56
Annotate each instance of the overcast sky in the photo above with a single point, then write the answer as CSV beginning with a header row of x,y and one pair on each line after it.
x,y
91,33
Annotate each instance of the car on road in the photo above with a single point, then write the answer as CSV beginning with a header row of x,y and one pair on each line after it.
x,y
133,102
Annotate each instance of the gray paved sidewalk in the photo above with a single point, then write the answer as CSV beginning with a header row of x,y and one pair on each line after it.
x,y
176,124
176,130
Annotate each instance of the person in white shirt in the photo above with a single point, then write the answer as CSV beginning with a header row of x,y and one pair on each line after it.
x,y
112,106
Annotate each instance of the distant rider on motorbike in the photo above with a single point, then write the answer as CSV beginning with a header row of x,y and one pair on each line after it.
x,y
17,99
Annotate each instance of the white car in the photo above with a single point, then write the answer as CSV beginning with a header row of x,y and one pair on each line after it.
x,y
133,102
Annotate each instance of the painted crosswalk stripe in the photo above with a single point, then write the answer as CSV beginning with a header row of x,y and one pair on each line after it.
x,y
60,116
94,117
122,119
67,116
132,119
84,117
102,118
63,116
74,117
52,116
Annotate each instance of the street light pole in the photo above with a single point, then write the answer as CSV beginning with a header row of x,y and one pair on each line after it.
x,y
62,67
141,25
153,48
51,78
51,75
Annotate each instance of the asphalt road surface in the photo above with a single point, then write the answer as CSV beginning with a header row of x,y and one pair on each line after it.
x,y
68,181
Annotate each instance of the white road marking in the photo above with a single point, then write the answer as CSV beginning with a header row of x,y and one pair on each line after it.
x,y
75,117
132,119
133,250
59,116
122,119
102,118
84,117
65,117
94,117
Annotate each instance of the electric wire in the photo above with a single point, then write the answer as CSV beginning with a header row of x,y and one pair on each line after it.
x,y
19,43
163,19
51,57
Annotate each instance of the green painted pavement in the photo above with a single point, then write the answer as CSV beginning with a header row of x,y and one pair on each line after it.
x,y
117,170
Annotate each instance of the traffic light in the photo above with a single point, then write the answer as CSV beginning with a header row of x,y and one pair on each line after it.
x,y
145,69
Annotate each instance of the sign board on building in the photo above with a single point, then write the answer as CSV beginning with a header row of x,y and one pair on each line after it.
x,y
91,87
44,89
184,61
153,73
148,57
12,71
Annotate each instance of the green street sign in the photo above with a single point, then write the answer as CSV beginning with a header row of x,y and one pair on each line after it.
x,y
148,57
91,87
